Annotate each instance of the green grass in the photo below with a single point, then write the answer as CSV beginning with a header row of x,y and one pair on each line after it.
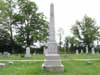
x,y
63,56
34,67
80,56
18,57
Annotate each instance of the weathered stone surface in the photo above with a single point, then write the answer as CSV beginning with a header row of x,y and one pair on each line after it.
x,y
81,51
53,68
2,65
93,51
52,60
89,62
10,62
87,50
6,54
27,55
77,52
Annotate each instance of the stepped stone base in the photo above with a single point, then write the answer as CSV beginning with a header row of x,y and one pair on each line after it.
x,y
52,63
52,68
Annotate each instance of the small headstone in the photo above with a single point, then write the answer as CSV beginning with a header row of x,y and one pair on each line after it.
x,y
81,51
34,53
10,62
93,51
5,54
8,54
86,49
28,52
89,62
77,52
2,65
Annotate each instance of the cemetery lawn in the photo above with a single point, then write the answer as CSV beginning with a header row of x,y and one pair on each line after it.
x,y
34,68
41,57
80,56
21,57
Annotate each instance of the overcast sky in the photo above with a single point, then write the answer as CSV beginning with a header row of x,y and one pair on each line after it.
x,y
68,11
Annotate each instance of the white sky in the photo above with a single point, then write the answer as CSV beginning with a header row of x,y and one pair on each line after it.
x,y
68,11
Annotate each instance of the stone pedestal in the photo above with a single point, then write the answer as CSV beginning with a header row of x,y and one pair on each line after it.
x,y
52,62
27,55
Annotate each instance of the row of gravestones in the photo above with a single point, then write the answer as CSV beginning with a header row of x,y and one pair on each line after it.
x,y
7,54
93,51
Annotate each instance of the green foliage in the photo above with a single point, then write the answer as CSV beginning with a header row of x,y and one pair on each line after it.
x,y
86,31
31,25
71,44
7,8
21,23
4,39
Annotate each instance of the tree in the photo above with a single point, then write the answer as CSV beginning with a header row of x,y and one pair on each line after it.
x,y
71,44
60,34
31,25
21,18
86,31
6,18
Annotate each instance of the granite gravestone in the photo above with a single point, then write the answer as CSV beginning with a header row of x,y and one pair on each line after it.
x,y
6,54
77,52
81,51
86,49
27,55
93,51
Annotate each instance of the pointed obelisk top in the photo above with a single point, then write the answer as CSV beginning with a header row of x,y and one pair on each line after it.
x,y
52,10
52,4
52,24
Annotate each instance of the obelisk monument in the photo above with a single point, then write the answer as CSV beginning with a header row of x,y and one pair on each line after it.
x,y
52,60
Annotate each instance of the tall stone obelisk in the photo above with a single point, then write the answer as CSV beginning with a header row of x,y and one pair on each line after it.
x,y
52,60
